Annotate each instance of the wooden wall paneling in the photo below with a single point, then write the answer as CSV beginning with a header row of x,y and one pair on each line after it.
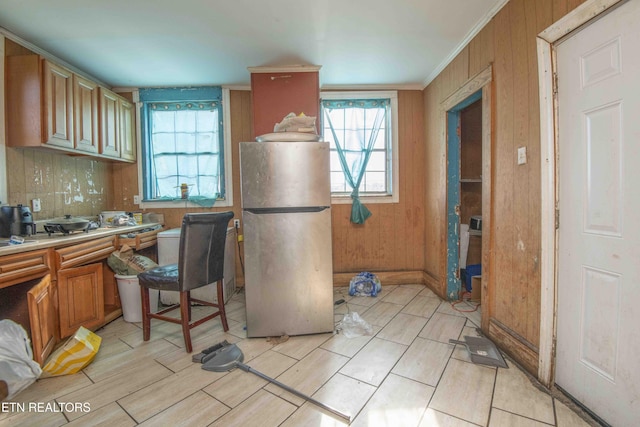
x,y
411,183
522,278
560,8
543,13
339,237
481,49
436,196
489,153
500,299
416,151
511,290
572,4
457,72
241,130
389,240
401,222
536,22
434,181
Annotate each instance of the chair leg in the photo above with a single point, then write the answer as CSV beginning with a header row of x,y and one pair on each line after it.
x,y
189,303
146,309
185,316
223,313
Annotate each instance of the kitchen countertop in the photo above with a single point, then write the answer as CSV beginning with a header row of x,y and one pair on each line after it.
x,y
43,241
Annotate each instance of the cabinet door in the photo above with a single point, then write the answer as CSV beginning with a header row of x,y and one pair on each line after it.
x,y
274,95
109,137
81,298
85,95
127,130
42,315
58,105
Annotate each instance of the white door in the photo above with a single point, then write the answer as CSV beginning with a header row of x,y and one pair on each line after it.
x,y
598,330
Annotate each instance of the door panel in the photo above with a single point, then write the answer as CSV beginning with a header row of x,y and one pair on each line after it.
x,y
598,340
289,275
453,204
58,104
42,315
81,298
284,174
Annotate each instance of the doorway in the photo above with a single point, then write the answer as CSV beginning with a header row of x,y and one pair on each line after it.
x,y
464,196
589,171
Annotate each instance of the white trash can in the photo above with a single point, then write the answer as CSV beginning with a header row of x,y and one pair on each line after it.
x,y
129,290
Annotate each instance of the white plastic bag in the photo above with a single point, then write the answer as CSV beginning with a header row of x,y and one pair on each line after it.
x,y
17,367
293,123
352,325
365,284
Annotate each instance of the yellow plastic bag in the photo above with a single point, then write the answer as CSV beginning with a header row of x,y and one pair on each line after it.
x,y
74,355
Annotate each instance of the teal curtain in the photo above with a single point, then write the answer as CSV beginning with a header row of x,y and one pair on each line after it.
x,y
354,137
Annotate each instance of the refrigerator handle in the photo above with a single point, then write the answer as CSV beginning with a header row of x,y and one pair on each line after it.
x,y
262,211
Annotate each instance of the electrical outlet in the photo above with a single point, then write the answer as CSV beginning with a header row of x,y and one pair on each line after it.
x,y
35,205
236,223
522,155
136,199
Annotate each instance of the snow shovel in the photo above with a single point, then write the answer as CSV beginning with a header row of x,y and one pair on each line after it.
x,y
482,351
230,356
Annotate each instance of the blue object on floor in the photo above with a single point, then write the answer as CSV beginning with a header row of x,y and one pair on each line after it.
x,y
467,273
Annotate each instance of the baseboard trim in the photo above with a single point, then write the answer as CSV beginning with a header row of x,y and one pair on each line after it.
x,y
515,346
414,277
386,278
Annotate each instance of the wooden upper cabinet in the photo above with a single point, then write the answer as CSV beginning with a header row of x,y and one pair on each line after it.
x,y
276,92
85,94
58,105
39,103
50,107
109,131
126,113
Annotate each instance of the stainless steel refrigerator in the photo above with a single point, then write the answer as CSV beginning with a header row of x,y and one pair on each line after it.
x,y
286,204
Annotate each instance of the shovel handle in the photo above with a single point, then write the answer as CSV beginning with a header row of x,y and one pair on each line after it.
x,y
452,341
334,411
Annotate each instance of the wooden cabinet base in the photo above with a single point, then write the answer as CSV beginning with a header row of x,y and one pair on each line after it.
x,y
81,298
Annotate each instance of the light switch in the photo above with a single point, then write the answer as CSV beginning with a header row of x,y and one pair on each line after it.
x,y
522,155
35,205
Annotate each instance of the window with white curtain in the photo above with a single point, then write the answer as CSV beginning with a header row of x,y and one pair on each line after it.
x,y
352,116
183,142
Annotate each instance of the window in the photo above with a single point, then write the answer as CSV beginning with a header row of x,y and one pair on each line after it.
x,y
353,116
184,142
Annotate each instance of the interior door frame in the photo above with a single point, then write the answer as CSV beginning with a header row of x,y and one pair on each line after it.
x,y
479,82
547,71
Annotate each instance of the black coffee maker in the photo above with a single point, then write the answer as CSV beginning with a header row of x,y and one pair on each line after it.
x,y
16,221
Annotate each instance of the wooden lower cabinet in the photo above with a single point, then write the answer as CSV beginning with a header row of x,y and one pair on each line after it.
x,y
44,319
80,298
52,292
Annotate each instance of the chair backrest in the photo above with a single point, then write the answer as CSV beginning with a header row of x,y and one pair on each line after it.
x,y
202,241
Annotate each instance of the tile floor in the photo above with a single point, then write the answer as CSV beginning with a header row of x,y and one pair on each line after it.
x,y
405,374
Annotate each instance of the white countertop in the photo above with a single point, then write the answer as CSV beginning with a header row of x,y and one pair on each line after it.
x,y
42,240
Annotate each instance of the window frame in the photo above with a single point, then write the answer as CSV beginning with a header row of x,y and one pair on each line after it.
x,y
227,201
394,195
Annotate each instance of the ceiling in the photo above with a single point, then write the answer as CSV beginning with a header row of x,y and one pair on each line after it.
x,y
136,43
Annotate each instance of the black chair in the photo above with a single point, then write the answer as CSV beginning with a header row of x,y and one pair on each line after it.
x,y
200,263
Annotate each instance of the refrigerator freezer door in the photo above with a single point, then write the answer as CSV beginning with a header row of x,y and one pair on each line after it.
x,y
284,174
289,274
